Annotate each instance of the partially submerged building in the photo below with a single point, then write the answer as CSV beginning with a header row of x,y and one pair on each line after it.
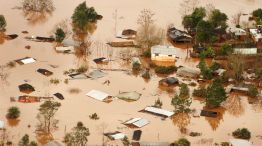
x,y
256,34
129,96
26,88
177,35
169,81
188,72
26,60
245,49
163,53
240,142
127,34
99,95
53,143
158,111
136,122
115,135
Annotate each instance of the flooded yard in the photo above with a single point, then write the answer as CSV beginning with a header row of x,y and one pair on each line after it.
x,y
77,106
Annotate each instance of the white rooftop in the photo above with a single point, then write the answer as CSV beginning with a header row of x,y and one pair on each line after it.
x,y
118,136
28,60
240,142
98,95
2,124
138,122
255,33
159,111
165,50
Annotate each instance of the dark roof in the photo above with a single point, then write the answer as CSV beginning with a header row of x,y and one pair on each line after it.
x,y
26,88
178,35
137,135
128,32
169,81
59,96
208,113
44,72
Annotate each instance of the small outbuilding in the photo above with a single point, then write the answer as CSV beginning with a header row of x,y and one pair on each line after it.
x,y
26,60
99,95
115,135
158,111
67,49
188,72
129,96
256,33
2,124
59,96
26,88
44,72
178,36
78,76
240,142
136,122
169,81
163,53
137,135
96,74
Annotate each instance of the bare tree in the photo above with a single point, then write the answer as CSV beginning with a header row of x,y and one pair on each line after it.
x,y
188,6
148,34
236,18
3,75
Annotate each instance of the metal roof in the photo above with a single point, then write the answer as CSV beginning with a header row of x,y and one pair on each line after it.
x,y
166,50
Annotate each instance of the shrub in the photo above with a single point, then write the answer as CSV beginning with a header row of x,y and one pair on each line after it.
x,y
158,103
242,133
2,23
252,91
225,144
146,74
214,66
165,70
194,134
181,142
201,92
60,35
54,81
147,53
125,141
94,116
66,81
209,52
136,66
226,49
82,69
11,64
13,112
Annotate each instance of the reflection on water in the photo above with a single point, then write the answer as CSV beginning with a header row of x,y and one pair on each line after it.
x,y
181,120
257,105
234,106
2,38
13,122
214,122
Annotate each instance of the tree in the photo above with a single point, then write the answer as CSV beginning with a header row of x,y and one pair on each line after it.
x,y
26,142
219,21
236,18
125,141
205,32
158,103
205,71
257,14
226,49
13,112
46,115
236,65
148,34
181,142
182,101
84,16
2,23
242,133
60,35
38,5
215,94
78,136
190,22
252,91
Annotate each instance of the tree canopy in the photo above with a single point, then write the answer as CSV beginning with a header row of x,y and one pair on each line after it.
x,y
182,101
257,14
78,136
2,23
83,16
218,20
215,94
205,32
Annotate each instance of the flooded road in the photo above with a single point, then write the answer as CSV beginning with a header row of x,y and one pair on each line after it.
x,y
77,107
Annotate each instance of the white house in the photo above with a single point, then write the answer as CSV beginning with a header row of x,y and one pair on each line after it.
x,y
237,31
240,142
245,51
163,53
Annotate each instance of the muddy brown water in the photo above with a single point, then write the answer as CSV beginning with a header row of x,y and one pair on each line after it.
x,y
78,107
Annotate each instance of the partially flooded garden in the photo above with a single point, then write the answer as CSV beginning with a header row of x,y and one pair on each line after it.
x,y
135,72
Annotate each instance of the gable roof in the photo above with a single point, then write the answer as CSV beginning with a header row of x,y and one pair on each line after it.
x,y
159,111
137,122
166,50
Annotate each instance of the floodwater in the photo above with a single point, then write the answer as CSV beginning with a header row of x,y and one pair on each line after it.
x,y
77,107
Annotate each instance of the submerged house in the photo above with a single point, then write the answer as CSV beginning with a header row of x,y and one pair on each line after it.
x,y
163,53
127,34
245,49
178,35
256,34
237,31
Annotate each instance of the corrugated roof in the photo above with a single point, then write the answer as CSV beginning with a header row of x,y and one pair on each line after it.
x,y
240,142
138,122
165,50
159,111
98,95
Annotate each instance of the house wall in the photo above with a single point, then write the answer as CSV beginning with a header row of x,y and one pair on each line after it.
x,y
162,57
246,51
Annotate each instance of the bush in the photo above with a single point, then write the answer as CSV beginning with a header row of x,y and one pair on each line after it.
x,y
158,103
94,116
54,81
136,66
226,49
146,74
209,52
252,91
147,53
2,23
225,144
82,69
201,92
165,70
214,66
13,112
181,142
242,133
60,35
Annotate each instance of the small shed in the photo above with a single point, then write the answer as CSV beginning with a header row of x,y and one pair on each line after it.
x,y
26,60
163,53
44,72
169,81
26,88
245,51
115,135
177,35
59,96
188,72
98,95
236,31
129,96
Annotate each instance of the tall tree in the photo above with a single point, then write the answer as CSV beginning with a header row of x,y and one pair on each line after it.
x,y
2,23
215,94
78,136
205,32
219,21
182,101
46,115
84,16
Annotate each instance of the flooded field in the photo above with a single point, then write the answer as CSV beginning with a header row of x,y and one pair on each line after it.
x,y
77,106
